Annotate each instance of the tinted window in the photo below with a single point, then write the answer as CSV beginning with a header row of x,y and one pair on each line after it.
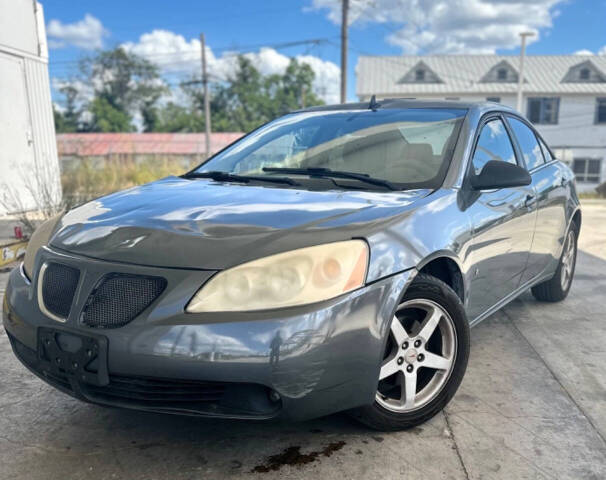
x,y
493,144
528,143
405,146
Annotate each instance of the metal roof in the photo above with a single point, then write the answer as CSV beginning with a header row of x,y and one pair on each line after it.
x,y
101,144
463,74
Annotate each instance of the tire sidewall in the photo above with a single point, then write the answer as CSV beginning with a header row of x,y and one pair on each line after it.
x,y
573,228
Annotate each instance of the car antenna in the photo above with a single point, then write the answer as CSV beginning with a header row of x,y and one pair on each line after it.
x,y
373,105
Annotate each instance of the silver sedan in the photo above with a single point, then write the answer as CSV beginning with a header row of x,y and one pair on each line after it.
x,y
333,259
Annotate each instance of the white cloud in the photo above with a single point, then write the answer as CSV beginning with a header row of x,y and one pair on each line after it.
x,y
449,26
87,33
174,54
601,51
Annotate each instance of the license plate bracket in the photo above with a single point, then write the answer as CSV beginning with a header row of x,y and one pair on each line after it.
x,y
80,357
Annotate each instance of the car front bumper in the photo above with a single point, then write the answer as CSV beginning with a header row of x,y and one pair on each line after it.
x,y
295,363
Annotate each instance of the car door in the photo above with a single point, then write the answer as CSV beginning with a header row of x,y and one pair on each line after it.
x,y
503,223
549,184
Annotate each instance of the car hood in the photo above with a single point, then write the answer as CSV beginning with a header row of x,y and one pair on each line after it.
x,y
205,224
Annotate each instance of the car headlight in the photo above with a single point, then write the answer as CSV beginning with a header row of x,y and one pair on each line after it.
x,y
39,238
298,277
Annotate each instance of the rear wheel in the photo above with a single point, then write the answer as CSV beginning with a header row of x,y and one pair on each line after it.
x,y
424,360
557,288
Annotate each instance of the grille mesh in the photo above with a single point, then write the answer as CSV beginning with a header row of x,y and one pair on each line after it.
x,y
58,288
119,299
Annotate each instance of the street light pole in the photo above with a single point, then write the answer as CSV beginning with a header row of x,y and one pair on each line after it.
x,y
344,12
523,36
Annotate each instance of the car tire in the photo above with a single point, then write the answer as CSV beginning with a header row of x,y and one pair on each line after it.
x,y
433,388
557,287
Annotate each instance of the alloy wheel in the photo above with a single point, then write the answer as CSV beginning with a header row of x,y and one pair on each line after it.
x,y
419,356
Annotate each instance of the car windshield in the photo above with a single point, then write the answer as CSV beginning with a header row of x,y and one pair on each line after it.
x,y
410,148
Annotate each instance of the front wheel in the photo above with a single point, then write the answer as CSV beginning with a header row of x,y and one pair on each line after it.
x,y
424,360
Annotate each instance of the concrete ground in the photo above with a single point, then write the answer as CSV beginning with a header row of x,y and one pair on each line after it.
x,y
532,405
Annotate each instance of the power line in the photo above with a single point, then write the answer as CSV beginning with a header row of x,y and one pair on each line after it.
x,y
233,49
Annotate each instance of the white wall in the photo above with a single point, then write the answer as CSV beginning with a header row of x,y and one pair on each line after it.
x,y
27,132
18,26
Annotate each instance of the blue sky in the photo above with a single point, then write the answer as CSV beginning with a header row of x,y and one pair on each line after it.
x,y
379,27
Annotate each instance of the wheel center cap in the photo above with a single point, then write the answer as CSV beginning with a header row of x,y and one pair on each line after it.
x,y
411,356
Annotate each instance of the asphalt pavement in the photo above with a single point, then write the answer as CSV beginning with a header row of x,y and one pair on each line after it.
x,y
532,405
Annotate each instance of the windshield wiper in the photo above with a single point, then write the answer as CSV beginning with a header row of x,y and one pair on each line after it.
x,y
232,177
327,172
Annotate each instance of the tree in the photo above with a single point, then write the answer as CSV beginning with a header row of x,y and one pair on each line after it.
x,y
68,120
179,118
124,84
248,99
108,118
292,89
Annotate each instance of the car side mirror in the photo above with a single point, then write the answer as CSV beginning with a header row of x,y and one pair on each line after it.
x,y
499,174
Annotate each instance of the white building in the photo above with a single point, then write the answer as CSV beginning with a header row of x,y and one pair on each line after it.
x,y
29,168
564,95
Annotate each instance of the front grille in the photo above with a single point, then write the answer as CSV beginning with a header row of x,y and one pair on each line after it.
x,y
58,288
119,298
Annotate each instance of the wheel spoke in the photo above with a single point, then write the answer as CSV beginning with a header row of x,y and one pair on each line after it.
x,y
430,324
399,334
406,353
389,368
410,389
436,361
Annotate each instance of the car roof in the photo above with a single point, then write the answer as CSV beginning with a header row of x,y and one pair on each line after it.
x,y
481,107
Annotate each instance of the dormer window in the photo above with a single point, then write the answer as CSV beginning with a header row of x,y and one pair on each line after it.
x,y
420,73
584,72
502,72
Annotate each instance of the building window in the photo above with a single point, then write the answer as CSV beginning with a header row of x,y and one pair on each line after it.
x,y
420,75
493,99
587,169
502,74
584,73
600,113
543,110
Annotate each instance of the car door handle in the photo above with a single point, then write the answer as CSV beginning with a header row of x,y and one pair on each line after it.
x,y
529,202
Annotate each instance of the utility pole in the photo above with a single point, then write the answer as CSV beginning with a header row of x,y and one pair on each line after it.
x,y
206,99
523,35
344,12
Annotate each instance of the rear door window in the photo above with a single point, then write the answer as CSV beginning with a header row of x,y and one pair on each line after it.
x,y
528,143
546,153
